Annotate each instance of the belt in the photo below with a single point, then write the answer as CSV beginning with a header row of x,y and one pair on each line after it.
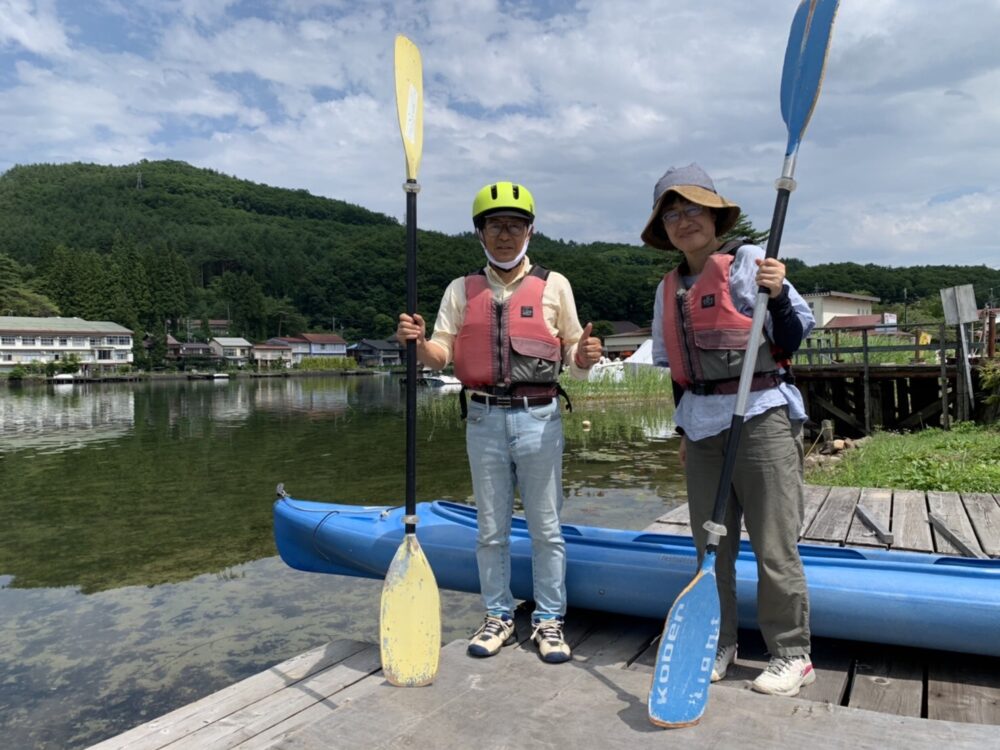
x,y
511,402
759,382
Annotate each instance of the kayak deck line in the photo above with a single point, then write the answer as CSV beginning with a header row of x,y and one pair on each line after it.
x,y
921,699
946,523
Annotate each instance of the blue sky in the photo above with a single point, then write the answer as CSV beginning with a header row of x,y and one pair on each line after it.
x,y
586,103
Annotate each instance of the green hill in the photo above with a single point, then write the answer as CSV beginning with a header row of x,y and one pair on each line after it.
x,y
158,242
255,253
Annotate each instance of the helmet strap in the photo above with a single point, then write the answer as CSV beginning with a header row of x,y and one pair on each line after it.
x,y
505,265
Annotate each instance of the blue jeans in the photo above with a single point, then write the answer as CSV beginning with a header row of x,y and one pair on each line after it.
x,y
519,448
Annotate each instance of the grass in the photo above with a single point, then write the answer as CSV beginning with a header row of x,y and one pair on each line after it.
x,y
638,403
964,459
641,384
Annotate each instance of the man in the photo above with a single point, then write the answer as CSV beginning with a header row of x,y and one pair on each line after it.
x,y
510,327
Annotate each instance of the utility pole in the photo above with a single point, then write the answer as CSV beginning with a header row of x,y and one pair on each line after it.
x,y
904,305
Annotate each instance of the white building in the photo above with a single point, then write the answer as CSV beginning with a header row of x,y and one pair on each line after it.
x,y
299,347
828,305
234,350
98,345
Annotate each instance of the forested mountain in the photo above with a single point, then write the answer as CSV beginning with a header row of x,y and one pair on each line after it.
x,y
152,244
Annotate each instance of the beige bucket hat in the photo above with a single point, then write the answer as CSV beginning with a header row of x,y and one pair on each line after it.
x,y
691,183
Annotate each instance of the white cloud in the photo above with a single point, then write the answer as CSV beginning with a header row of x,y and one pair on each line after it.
x,y
32,26
587,103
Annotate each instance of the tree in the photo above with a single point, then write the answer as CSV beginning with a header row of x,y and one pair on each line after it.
x,y
743,228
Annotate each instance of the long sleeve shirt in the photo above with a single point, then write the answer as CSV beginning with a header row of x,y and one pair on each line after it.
x,y
559,310
703,416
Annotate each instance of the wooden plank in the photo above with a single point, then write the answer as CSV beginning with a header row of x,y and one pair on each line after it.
x,y
965,688
674,521
194,716
909,521
813,498
343,700
890,681
244,724
834,518
518,702
838,412
877,503
678,521
950,525
984,513
612,640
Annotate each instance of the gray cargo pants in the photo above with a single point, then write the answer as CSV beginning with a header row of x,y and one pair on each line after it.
x,y
767,490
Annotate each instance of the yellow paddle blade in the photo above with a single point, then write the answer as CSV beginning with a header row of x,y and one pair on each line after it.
x,y
410,102
410,623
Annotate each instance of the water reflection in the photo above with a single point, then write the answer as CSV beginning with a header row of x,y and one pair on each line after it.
x,y
137,568
64,417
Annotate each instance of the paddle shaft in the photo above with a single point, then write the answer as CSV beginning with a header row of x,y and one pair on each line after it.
x,y
411,187
750,361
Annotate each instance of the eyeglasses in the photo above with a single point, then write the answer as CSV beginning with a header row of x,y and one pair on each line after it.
x,y
513,227
674,215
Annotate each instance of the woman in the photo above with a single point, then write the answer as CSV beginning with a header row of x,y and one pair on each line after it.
x,y
701,327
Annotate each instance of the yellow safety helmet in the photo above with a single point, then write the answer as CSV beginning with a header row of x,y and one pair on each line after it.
x,y
502,197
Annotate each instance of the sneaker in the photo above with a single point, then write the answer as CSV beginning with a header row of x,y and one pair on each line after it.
x,y
785,675
495,633
548,636
724,658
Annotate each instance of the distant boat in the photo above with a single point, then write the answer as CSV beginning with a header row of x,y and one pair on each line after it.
x,y
436,380
440,380
208,376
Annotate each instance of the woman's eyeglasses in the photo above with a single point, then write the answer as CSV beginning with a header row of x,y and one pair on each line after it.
x,y
674,215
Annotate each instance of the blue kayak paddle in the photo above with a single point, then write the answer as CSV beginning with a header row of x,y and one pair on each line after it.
x,y
686,653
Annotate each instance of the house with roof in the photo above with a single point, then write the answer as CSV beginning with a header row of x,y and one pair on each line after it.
x,y
271,356
884,323
827,305
298,347
626,343
324,344
378,352
235,351
98,345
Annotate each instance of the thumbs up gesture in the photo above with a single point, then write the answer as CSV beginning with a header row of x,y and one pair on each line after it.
x,y
588,349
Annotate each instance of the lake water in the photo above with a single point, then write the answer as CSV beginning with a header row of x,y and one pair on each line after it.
x,y
137,565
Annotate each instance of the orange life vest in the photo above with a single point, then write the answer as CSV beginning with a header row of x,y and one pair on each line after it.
x,y
706,336
504,344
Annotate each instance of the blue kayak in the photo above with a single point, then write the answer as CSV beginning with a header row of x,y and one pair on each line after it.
x,y
904,598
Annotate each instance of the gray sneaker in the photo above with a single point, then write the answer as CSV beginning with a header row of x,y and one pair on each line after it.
x,y
548,636
493,634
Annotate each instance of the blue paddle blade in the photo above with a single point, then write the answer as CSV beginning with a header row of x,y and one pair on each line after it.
x,y
686,655
805,58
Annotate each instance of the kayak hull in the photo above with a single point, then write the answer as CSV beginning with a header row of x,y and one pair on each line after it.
x,y
904,598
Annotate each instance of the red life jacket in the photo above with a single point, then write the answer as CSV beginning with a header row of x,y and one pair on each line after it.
x,y
706,336
503,344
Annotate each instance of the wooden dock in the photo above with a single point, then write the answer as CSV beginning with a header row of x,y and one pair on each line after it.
x,y
335,697
949,523
866,695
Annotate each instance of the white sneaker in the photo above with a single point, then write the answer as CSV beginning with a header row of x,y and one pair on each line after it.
x,y
724,657
785,675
